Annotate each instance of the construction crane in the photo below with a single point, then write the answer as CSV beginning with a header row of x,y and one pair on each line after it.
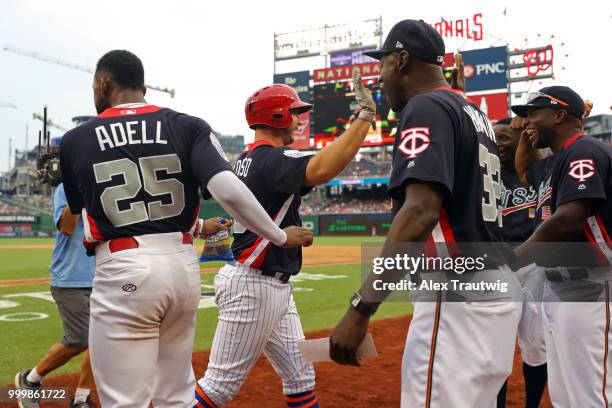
x,y
50,123
7,105
68,64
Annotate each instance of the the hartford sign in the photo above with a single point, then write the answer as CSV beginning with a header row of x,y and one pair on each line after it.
x,y
346,72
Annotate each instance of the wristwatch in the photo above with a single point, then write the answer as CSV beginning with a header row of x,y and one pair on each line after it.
x,y
360,305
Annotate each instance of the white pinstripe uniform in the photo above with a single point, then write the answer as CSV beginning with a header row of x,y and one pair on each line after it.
x,y
257,313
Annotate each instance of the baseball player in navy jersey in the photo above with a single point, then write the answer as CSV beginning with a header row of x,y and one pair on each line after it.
x,y
257,313
574,185
518,210
134,172
446,188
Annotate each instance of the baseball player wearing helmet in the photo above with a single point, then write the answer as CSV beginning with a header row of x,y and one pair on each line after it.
x,y
574,213
135,171
445,185
257,313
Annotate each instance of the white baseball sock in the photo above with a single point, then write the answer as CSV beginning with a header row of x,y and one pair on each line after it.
x,y
81,394
33,376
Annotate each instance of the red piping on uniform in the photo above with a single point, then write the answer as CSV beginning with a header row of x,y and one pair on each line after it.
x,y
449,236
258,262
93,228
430,248
300,399
432,349
602,227
448,88
600,257
606,340
571,140
194,220
510,210
247,252
256,144
110,112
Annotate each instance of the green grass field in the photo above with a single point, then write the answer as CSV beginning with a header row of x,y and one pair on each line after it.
x,y
321,293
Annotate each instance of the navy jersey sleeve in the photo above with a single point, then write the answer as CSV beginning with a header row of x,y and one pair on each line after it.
x,y
207,156
285,170
583,174
424,146
71,189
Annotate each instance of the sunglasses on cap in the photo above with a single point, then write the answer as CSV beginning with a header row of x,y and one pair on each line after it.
x,y
535,95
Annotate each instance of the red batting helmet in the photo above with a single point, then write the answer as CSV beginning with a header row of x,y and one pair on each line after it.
x,y
271,106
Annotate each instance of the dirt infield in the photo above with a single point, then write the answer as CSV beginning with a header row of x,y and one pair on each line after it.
x,y
328,255
376,384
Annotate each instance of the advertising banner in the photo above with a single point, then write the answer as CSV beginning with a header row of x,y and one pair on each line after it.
x,y
311,222
346,72
485,69
495,105
300,81
355,224
349,57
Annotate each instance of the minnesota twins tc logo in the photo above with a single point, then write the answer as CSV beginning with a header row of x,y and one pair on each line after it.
x,y
414,141
581,169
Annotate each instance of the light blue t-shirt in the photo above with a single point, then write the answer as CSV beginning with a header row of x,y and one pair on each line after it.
x,y
70,265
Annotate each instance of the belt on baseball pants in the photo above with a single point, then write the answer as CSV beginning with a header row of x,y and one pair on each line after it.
x,y
123,243
283,277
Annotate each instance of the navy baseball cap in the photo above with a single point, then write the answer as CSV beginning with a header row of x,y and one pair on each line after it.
x,y
553,97
417,37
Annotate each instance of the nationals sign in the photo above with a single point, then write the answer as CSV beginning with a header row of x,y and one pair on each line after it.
x,y
469,28
346,72
414,141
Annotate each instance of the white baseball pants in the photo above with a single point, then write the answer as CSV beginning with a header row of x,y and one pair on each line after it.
x,y
578,347
458,354
257,315
143,309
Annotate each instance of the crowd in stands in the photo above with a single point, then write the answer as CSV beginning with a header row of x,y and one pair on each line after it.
x,y
8,209
366,168
36,200
344,205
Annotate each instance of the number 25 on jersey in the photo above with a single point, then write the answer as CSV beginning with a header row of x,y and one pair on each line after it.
x,y
130,188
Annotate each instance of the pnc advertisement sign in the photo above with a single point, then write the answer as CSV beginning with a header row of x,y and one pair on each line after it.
x,y
484,69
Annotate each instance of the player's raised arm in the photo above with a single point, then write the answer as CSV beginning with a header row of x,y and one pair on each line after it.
x,y
334,157
241,204
526,153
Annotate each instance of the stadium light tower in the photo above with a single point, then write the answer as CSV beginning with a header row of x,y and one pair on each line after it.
x,y
68,64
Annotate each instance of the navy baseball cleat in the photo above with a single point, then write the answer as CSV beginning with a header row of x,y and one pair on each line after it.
x,y
22,383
